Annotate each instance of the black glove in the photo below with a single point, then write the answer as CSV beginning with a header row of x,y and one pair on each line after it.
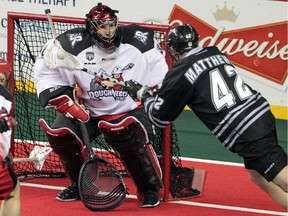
x,y
139,92
132,87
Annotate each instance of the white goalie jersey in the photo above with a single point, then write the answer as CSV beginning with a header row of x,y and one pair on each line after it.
x,y
138,57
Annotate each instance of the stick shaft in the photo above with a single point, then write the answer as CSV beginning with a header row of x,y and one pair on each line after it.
x,y
85,137
52,27
24,159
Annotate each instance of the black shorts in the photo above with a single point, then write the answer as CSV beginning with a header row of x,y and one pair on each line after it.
x,y
264,155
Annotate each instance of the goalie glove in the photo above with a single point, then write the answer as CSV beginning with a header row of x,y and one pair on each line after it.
x,y
65,105
7,122
139,92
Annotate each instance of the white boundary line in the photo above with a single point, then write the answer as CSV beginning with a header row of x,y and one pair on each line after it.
x,y
182,202
212,161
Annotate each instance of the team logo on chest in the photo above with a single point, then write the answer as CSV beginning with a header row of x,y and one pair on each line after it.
x,y
103,85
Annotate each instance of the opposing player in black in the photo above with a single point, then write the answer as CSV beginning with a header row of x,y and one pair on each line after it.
x,y
114,53
206,81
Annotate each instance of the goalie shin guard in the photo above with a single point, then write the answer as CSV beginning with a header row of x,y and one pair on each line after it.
x,y
129,138
68,146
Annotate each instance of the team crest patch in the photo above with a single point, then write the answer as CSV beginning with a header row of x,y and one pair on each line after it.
x,y
104,85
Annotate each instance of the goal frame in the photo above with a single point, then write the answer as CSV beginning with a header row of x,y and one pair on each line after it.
x,y
11,16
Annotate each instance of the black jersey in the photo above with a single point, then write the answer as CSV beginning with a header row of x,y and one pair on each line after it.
x,y
208,83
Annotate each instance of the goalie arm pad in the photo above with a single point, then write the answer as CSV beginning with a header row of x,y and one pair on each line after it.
x,y
56,91
60,99
65,105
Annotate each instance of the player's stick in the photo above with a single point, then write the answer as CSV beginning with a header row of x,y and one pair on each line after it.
x,y
101,186
56,57
51,23
38,156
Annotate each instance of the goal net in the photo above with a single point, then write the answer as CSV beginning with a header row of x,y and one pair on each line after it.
x,y
27,33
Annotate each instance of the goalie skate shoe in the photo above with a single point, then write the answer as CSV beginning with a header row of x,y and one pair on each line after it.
x,y
150,200
70,193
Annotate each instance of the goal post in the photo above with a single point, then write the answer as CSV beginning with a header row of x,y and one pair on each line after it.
x,y
27,33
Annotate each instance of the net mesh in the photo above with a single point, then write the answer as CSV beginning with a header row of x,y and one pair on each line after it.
x,y
30,35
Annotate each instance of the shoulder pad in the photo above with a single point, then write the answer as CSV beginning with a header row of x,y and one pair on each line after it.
x,y
75,40
137,36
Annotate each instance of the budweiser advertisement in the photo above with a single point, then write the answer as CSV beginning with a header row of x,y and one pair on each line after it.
x,y
261,50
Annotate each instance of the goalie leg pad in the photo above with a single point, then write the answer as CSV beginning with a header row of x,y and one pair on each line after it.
x,y
68,146
129,138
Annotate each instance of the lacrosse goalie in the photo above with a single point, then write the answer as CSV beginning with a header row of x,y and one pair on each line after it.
x,y
102,49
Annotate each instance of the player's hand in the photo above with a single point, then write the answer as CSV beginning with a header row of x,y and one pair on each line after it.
x,y
139,92
132,87
7,122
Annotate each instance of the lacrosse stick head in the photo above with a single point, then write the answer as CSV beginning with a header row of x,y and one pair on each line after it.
x,y
102,23
101,187
56,57
39,155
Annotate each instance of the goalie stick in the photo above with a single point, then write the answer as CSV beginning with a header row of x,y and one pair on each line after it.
x,y
52,27
56,57
100,184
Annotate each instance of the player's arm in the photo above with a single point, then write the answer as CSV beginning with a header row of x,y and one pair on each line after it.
x,y
63,99
163,105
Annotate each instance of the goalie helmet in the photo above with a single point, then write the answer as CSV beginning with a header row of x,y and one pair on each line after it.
x,y
181,39
102,23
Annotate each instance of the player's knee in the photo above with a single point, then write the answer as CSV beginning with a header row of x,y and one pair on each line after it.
x,y
64,142
15,194
281,179
127,135
255,176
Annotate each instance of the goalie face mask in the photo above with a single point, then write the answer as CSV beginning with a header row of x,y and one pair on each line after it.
x,y
181,39
102,23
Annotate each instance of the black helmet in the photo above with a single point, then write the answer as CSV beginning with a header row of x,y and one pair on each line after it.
x,y
181,39
99,16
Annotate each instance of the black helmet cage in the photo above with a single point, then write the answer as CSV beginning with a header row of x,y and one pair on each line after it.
x,y
99,25
181,39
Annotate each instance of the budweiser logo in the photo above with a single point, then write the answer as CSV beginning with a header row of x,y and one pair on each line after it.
x,y
262,50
